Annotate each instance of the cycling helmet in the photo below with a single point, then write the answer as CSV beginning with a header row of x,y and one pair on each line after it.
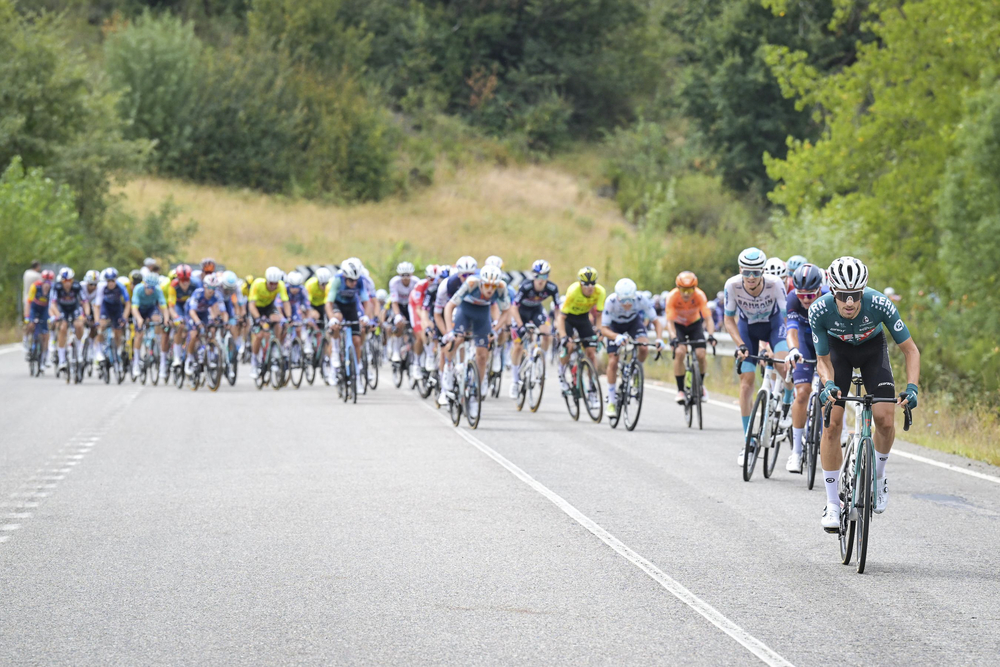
x,y
274,275
808,278
183,272
323,275
587,275
494,260
212,281
152,280
686,279
405,268
775,267
350,270
431,271
848,274
230,279
490,276
66,273
625,289
149,262
208,265
381,295
752,258
466,265
646,294
443,272
541,268
356,261
144,271
794,262
110,273
248,279
135,276
91,277
294,279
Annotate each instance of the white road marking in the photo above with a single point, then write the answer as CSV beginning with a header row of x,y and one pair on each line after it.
x,y
8,527
895,451
18,515
714,616
4,538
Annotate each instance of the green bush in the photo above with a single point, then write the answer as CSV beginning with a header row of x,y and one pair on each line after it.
x,y
640,157
155,64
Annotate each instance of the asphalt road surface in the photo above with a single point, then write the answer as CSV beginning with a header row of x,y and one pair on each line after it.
x,y
147,525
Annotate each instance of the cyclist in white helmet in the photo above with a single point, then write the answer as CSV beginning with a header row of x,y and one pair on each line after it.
x,y
624,315
465,267
399,299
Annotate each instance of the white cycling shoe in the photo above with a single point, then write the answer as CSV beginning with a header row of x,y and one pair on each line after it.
x,y
395,358
831,518
794,463
515,389
881,495
743,453
681,397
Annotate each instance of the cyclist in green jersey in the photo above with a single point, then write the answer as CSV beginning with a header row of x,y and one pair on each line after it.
x,y
847,327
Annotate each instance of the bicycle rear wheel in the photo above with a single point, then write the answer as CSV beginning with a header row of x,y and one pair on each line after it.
x,y
276,365
572,395
296,363
755,430
620,401
866,498
689,398
351,386
372,374
537,384
472,396
847,524
591,384
632,402
771,453
813,434
696,390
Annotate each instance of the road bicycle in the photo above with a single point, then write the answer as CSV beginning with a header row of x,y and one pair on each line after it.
x,y
296,356
371,359
272,366
347,372
494,369
316,359
857,475
429,379
630,384
36,355
112,358
764,431
230,354
402,369
149,355
465,396
693,388
581,382
532,376
207,366
813,432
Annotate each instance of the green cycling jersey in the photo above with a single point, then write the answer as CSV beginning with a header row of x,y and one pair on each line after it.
x,y
876,310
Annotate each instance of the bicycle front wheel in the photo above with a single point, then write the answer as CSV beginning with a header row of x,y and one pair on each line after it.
x,y
472,397
590,386
696,393
633,399
276,366
572,394
847,523
771,453
755,430
812,439
865,494
352,378
296,363
537,381
213,365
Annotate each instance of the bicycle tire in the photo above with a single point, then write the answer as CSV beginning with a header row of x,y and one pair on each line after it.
x,y
372,370
613,419
213,365
689,398
636,390
537,381
455,409
572,395
351,379
591,390
866,498
847,525
771,453
275,365
696,381
472,395
397,374
812,439
296,363
522,391
751,446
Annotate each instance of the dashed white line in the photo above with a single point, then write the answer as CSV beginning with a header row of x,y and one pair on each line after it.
x,y
8,527
714,616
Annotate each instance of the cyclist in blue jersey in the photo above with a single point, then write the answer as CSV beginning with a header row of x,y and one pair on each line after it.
x,y
149,305
204,305
346,302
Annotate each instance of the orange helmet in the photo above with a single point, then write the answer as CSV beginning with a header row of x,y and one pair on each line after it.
x,y
687,279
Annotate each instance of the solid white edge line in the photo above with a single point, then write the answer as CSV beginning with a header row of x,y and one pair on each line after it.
x,y
748,641
905,455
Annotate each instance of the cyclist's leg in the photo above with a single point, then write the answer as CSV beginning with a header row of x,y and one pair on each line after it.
x,y
751,335
876,371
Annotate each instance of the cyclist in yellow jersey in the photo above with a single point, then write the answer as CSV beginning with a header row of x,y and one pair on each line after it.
x,y
266,294
578,313
317,289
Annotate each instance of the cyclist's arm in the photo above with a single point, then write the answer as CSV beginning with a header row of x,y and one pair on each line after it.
x,y
734,330
912,357
792,337
560,323
252,305
449,309
825,368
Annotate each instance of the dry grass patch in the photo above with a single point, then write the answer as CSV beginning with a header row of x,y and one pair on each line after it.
x,y
520,213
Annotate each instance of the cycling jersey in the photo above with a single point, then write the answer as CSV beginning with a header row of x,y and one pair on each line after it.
x,y
178,294
471,294
298,300
876,310
615,313
527,295
68,299
798,319
755,309
417,295
200,302
576,303
686,311
446,291
141,299
114,299
316,292
261,296
400,293
339,292
38,296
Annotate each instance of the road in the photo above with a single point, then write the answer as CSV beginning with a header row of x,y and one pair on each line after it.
x,y
147,525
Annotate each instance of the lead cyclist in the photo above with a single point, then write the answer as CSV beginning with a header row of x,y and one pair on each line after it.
x,y
847,329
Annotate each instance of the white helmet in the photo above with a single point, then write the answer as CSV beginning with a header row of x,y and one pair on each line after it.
x,y
212,281
494,260
274,275
381,295
405,268
466,265
625,289
356,261
646,294
775,267
540,268
294,279
350,269
323,275
490,276
752,258
848,274
432,271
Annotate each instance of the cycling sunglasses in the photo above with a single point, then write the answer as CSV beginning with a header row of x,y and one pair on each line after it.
x,y
751,273
844,296
687,290
806,295
588,283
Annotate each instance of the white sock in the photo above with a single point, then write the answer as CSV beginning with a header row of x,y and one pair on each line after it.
x,y
178,351
880,460
516,370
798,434
62,355
611,393
832,490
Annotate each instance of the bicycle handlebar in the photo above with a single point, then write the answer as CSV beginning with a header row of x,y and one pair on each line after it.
x,y
907,412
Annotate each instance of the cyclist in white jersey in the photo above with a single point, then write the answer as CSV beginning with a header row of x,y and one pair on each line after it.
x,y
755,313
399,298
